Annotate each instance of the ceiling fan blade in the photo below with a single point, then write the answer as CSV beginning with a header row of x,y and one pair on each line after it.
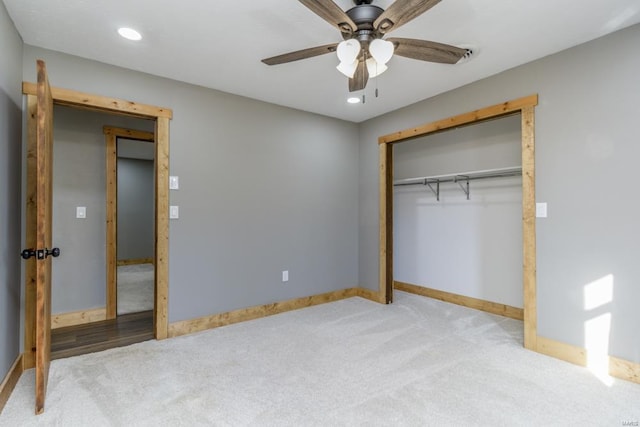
x,y
360,78
400,12
331,12
301,54
424,50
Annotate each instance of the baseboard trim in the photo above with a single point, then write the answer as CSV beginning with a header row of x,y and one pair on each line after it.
x,y
10,380
78,317
370,295
618,368
133,261
185,327
478,304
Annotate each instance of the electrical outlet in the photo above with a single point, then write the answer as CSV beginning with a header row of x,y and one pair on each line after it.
x,y
285,275
81,212
174,212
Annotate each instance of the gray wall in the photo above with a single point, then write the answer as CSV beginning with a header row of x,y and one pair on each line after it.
x,y
10,201
586,157
79,274
134,149
262,189
467,247
135,207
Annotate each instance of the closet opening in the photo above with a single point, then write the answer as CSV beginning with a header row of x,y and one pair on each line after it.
x,y
487,166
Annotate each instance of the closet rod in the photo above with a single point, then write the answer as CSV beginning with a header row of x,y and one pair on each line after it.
x,y
462,176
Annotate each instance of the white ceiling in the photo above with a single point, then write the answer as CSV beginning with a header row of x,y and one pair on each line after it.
x,y
219,44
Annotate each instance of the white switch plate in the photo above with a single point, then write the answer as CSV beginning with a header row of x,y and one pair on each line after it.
x,y
174,212
174,183
285,275
81,211
541,210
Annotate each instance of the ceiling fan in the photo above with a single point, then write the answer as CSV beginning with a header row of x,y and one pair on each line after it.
x,y
364,52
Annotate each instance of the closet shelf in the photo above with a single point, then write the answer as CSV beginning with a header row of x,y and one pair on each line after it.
x,y
459,178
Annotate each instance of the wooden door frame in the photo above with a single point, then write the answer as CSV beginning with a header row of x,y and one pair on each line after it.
x,y
161,117
526,108
111,135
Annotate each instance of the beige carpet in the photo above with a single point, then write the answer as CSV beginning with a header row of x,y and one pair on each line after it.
x,y
353,362
135,288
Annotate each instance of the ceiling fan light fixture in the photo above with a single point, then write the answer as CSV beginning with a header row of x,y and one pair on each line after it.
x,y
381,50
375,68
348,50
348,69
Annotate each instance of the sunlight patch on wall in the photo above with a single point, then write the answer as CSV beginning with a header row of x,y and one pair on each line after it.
x,y
599,292
596,335
598,329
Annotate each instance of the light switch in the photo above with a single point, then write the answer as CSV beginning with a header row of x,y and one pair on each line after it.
x,y
285,275
81,211
174,183
174,212
541,210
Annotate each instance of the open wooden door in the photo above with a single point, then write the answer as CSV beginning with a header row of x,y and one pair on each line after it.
x,y
39,209
44,178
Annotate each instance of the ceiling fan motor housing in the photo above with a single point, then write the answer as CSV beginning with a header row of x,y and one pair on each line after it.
x,y
364,15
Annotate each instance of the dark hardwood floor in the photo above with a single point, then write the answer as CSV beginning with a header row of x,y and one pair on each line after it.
x,y
97,336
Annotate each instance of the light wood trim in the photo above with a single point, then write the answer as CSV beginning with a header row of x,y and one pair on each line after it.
x,y
560,350
112,225
214,321
529,227
78,317
134,261
30,237
624,369
478,304
386,220
618,368
374,296
161,273
87,101
138,135
10,380
472,117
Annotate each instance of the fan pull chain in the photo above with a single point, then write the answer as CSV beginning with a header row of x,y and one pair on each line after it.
x,y
364,68
377,76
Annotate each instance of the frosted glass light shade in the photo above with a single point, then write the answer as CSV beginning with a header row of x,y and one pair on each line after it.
x,y
381,50
348,69
348,50
375,68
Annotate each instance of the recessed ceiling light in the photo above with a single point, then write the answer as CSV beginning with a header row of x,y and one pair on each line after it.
x,y
129,33
353,100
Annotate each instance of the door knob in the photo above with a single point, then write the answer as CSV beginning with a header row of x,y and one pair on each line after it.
x,y
40,253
